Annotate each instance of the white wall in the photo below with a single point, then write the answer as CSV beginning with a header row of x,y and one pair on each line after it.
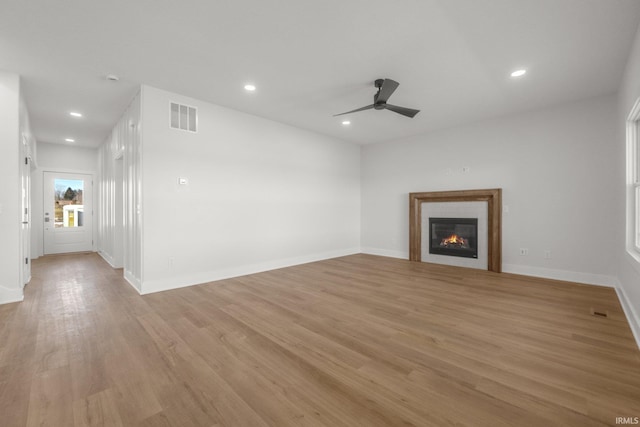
x,y
261,195
60,158
10,201
628,266
555,169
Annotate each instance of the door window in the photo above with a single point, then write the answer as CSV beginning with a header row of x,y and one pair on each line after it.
x,y
68,204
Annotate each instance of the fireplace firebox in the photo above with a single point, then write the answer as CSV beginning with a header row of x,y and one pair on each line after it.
x,y
454,237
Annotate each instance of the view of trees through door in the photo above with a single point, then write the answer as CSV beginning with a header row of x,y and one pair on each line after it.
x,y
68,203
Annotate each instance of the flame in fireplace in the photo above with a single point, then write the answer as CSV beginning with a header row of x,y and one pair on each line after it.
x,y
455,241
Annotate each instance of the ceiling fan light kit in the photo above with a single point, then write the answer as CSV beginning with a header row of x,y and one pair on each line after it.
x,y
386,87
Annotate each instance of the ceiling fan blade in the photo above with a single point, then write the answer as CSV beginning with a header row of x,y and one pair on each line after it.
x,y
388,87
368,107
409,112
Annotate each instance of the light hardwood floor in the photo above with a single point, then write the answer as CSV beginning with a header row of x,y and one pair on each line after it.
x,y
353,341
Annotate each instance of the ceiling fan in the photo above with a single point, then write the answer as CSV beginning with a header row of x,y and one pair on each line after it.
x,y
386,87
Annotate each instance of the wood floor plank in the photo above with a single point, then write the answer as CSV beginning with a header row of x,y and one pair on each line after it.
x,y
50,402
96,410
356,340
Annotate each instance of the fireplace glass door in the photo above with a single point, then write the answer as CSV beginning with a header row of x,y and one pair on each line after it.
x,y
454,237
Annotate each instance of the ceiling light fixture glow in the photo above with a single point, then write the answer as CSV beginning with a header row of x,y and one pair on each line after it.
x,y
70,140
75,114
249,87
346,122
519,73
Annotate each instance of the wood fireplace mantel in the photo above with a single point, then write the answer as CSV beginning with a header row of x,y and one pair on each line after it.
x,y
492,196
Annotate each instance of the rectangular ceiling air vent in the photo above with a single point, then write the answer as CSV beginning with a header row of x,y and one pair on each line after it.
x,y
184,117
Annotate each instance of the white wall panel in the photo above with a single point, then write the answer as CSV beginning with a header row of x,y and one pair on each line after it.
x,y
119,224
10,194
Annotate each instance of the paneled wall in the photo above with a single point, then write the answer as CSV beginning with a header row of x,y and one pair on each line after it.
x,y
10,215
119,191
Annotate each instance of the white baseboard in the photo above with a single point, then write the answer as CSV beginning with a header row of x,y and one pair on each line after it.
x,y
10,295
630,312
132,280
165,284
566,275
105,256
385,252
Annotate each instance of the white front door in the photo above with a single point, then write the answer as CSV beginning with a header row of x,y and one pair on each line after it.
x,y
68,212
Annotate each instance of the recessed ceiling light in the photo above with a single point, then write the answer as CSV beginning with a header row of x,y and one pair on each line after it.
x,y
519,73
249,87
346,122
75,114
70,140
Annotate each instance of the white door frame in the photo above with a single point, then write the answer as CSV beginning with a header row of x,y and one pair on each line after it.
x,y
26,215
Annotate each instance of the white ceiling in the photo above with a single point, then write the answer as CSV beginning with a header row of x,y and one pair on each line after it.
x,y
312,59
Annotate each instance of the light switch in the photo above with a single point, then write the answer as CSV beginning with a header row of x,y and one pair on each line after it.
x,y
183,181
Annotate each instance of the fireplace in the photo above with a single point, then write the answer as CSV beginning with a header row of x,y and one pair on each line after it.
x,y
485,204
454,237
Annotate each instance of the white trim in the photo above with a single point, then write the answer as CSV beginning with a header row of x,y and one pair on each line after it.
x,y
633,172
72,171
634,261
165,284
131,279
632,316
108,258
10,295
565,275
386,252
140,209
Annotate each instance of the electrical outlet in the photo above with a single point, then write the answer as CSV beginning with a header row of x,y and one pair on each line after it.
x,y
524,251
547,254
466,169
